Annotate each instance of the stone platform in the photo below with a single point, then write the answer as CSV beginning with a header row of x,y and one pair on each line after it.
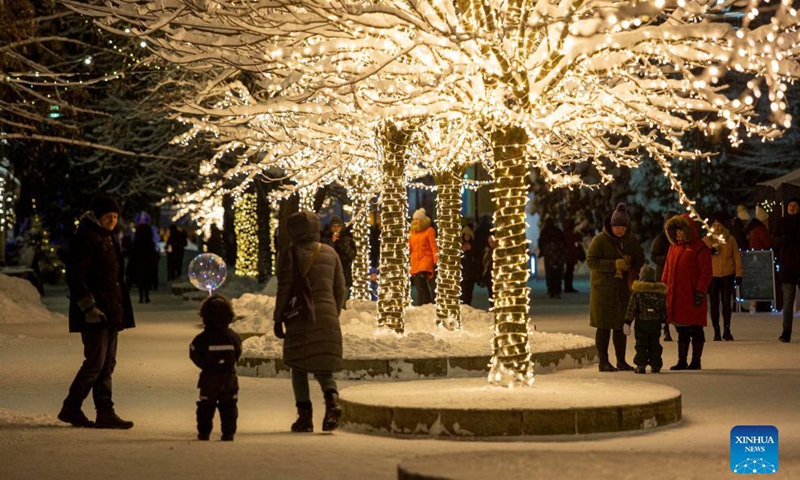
x,y
470,408
526,465
421,368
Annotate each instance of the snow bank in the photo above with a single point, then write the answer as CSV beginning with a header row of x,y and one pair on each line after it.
x,y
20,303
422,339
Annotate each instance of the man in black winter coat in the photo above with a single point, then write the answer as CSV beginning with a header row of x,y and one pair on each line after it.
x,y
99,308
787,241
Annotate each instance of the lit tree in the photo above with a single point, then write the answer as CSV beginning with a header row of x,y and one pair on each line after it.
x,y
444,149
560,86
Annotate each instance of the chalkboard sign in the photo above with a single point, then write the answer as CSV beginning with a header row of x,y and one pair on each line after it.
x,y
758,280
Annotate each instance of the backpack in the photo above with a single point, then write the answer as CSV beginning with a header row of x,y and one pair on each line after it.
x,y
300,305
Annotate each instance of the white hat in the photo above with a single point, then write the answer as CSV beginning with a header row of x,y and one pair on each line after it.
x,y
420,214
742,213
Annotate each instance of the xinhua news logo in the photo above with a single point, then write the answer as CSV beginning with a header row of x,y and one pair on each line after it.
x,y
754,449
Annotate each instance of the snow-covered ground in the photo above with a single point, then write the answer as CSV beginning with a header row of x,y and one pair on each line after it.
x,y
422,338
754,380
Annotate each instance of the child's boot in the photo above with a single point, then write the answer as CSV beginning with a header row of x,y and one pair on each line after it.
x,y
304,422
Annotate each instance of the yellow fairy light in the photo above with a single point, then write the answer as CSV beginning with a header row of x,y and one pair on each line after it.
x,y
246,227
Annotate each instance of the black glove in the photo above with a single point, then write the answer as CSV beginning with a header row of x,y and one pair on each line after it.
x,y
698,298
94,315
737,281
278,329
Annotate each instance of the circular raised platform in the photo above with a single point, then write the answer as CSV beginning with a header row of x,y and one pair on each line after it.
x,y
525,465
471,408
421,368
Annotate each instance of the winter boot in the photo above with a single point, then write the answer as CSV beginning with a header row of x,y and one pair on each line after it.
x,y
74,416
667,336
683,354
109,419
697,353
726,335
785,337
717,336
640,369
601,339
227,437
620,343
332,411
304,422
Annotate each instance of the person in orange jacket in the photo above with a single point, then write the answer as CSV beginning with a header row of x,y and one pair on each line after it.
x,y
424,255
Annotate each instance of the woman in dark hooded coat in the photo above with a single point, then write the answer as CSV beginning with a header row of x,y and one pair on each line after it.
x,y
312,345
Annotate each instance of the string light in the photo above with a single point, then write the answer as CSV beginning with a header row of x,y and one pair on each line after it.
x,y
394,291
245,225
565,88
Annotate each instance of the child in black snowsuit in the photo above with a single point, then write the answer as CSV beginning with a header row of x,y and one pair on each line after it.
x,y
216,351
648,308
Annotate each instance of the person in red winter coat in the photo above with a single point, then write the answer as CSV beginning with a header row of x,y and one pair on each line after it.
x,y
687,274
424,255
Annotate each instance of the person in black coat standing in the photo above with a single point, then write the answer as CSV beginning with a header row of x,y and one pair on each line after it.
x,y
553,248
658,254
99,308
787,241
215,351
337,237
144,260
176,246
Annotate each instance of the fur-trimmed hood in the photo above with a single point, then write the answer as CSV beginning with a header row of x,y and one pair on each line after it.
x,y
684,223
423,224
649,287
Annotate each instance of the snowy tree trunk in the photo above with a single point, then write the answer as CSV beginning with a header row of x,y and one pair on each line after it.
x,y
394,282
448,280
360,289
511,361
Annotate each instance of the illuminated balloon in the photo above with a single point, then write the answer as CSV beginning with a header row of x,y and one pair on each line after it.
x,y
207,271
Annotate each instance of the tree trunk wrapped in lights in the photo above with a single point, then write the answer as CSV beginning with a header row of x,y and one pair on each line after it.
x,y
274,211
360,288
448,217
394,283
246,228
511,361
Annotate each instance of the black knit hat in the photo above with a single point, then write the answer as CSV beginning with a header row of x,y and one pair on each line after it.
x,y
336,221
620,217
216,311
103,204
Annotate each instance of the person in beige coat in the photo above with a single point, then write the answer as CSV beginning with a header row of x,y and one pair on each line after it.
x,y
311,345
726,267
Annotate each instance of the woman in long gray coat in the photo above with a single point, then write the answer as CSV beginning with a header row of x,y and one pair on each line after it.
x,y
311,345
614,258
